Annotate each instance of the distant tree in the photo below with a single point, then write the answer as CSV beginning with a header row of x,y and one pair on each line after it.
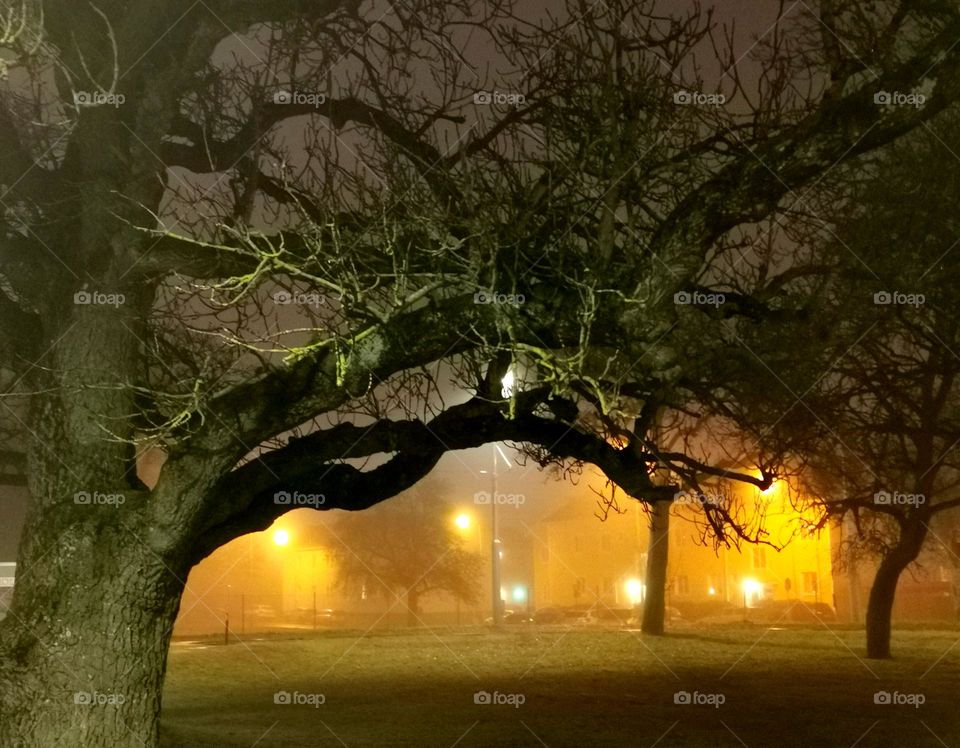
x,y
406,548
878,433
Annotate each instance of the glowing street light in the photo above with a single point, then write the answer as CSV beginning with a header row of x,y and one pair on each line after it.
x,y
634,591
281,537
752,589
508,382
463,521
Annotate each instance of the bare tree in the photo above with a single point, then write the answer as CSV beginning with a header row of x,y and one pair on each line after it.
x,y
406,549
259,236
888,405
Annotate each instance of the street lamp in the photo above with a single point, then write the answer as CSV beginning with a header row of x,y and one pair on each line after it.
x,y
281,537
462,521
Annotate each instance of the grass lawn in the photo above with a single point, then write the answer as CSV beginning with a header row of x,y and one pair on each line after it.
x,y
581,687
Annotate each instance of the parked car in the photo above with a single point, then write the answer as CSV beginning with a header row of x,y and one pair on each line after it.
x,y
511,616
579,616
614,616
262,612
322,616
552,614
670,615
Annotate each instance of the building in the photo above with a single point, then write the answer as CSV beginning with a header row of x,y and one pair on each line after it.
x,y
582,560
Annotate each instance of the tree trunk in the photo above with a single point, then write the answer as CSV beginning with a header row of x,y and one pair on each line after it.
x,y
658,553
413,608
84,647
884,588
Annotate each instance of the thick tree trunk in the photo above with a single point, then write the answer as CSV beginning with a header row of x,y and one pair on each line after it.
x,y
83,649
658,554
884,588
99,576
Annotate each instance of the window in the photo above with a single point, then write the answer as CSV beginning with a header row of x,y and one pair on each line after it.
x,y
810,582
759,557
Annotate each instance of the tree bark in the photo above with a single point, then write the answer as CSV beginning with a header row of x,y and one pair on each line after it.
x,y
658,554
99,575
884,588
83,649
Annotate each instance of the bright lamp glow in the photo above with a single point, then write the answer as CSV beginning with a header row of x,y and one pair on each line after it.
x,y
635,589
711,591
508,381
281,537
752,589
519,594
462,521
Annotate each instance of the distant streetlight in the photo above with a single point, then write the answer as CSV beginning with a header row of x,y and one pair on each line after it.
x,y
281,537
463,521
752,589
634,591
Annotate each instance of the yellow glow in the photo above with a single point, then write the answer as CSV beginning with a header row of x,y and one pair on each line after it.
x,y
711,591
769,489
281,537
634,591
462,521
752,588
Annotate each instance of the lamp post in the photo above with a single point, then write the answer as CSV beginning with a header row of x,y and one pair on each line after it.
x,y
495,548
508,383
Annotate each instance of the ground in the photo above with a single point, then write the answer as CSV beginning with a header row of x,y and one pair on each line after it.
x,y
579,687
